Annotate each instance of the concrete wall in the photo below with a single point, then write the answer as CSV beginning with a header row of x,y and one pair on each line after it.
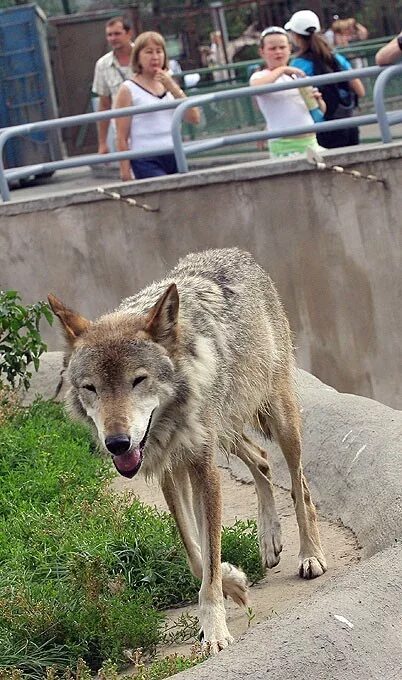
x,y
331,243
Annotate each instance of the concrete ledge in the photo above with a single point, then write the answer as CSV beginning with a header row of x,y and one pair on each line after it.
x,y
256,169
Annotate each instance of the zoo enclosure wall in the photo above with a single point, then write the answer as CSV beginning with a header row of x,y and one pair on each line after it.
x,y
332,244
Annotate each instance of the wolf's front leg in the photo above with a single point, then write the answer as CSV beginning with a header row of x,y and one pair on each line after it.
x,y
208,511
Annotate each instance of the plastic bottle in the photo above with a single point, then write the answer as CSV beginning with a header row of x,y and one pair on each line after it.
x,y
311,103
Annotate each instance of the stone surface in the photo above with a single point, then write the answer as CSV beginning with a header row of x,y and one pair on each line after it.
x,y
46,381
310,642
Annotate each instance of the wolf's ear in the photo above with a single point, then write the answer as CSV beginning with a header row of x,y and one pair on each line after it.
x,y
73,324
162,318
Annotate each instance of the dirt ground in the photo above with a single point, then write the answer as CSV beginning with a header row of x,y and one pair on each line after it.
x,y
282,587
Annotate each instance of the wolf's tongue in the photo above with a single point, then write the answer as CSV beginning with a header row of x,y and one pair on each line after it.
x,y
127,462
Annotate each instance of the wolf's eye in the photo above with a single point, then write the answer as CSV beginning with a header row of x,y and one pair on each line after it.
x,y
139,380
90,388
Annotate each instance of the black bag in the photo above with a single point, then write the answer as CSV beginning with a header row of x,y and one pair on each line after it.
x,y
340,101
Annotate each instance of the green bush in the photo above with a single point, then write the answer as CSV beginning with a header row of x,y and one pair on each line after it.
x,y
83,572
20,342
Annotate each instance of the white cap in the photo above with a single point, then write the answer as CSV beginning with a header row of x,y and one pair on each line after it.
x,y
304,22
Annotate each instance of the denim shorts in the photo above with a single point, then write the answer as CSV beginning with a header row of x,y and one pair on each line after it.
x,y
154,166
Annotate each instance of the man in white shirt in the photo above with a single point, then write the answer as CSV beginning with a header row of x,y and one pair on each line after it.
x,y
110,71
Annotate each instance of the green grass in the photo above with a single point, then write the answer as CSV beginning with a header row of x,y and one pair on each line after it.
x,y
84,573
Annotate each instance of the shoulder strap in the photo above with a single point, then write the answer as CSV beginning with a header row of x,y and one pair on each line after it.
x,y
120,72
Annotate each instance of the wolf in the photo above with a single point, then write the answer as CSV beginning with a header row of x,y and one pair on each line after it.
x,y
188,365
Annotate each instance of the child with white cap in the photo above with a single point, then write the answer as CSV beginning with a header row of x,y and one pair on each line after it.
x,y
286,108
315,57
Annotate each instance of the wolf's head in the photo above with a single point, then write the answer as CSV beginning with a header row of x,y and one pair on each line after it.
x,y
121,372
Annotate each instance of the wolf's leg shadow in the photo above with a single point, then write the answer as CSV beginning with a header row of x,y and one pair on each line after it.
x,y
269,528
283,420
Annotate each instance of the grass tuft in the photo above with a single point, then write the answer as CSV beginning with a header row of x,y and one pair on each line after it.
x,y
84,574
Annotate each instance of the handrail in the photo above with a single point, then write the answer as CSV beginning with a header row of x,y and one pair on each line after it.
x,y
180,149
316,81
379,103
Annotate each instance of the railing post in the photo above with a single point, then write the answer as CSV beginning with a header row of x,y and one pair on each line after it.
x,y
4,188
178,147
178,115
379,103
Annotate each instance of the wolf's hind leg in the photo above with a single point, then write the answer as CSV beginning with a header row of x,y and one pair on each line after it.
x,y
283,421
269,528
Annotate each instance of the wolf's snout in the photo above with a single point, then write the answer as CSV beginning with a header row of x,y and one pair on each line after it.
x,y
118,444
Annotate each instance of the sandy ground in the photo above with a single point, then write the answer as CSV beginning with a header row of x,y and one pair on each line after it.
x,y
282,587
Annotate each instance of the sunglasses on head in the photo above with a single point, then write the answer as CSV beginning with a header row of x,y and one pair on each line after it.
x,y
273,29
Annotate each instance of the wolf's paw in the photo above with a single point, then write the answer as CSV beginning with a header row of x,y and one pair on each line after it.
x,y
215,633
234,584
311,567
215,646
270,540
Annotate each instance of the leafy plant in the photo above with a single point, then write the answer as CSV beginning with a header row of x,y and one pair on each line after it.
x,y
20,340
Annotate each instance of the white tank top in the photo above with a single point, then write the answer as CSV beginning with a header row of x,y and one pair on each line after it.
x,y
284,109
152,130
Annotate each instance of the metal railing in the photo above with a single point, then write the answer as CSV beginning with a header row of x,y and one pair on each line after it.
x,y
384,120
75,161
183,149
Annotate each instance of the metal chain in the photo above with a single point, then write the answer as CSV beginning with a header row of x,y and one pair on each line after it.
x,y
315,159
131,201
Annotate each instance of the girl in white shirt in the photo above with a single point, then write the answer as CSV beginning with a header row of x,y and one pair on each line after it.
x,y
285,109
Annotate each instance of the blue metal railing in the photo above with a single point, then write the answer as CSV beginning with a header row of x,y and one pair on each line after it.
x,y
181,149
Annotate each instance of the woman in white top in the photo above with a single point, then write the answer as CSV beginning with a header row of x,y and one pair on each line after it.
x,y
285,109
151,83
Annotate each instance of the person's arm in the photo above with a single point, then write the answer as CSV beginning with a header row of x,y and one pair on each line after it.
x,y
320,101
105,104
357,87
272,76
123,126
356,84
191,115
390,53
361,32
101,88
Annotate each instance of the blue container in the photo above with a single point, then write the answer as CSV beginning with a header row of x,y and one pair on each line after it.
x,y
26,85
